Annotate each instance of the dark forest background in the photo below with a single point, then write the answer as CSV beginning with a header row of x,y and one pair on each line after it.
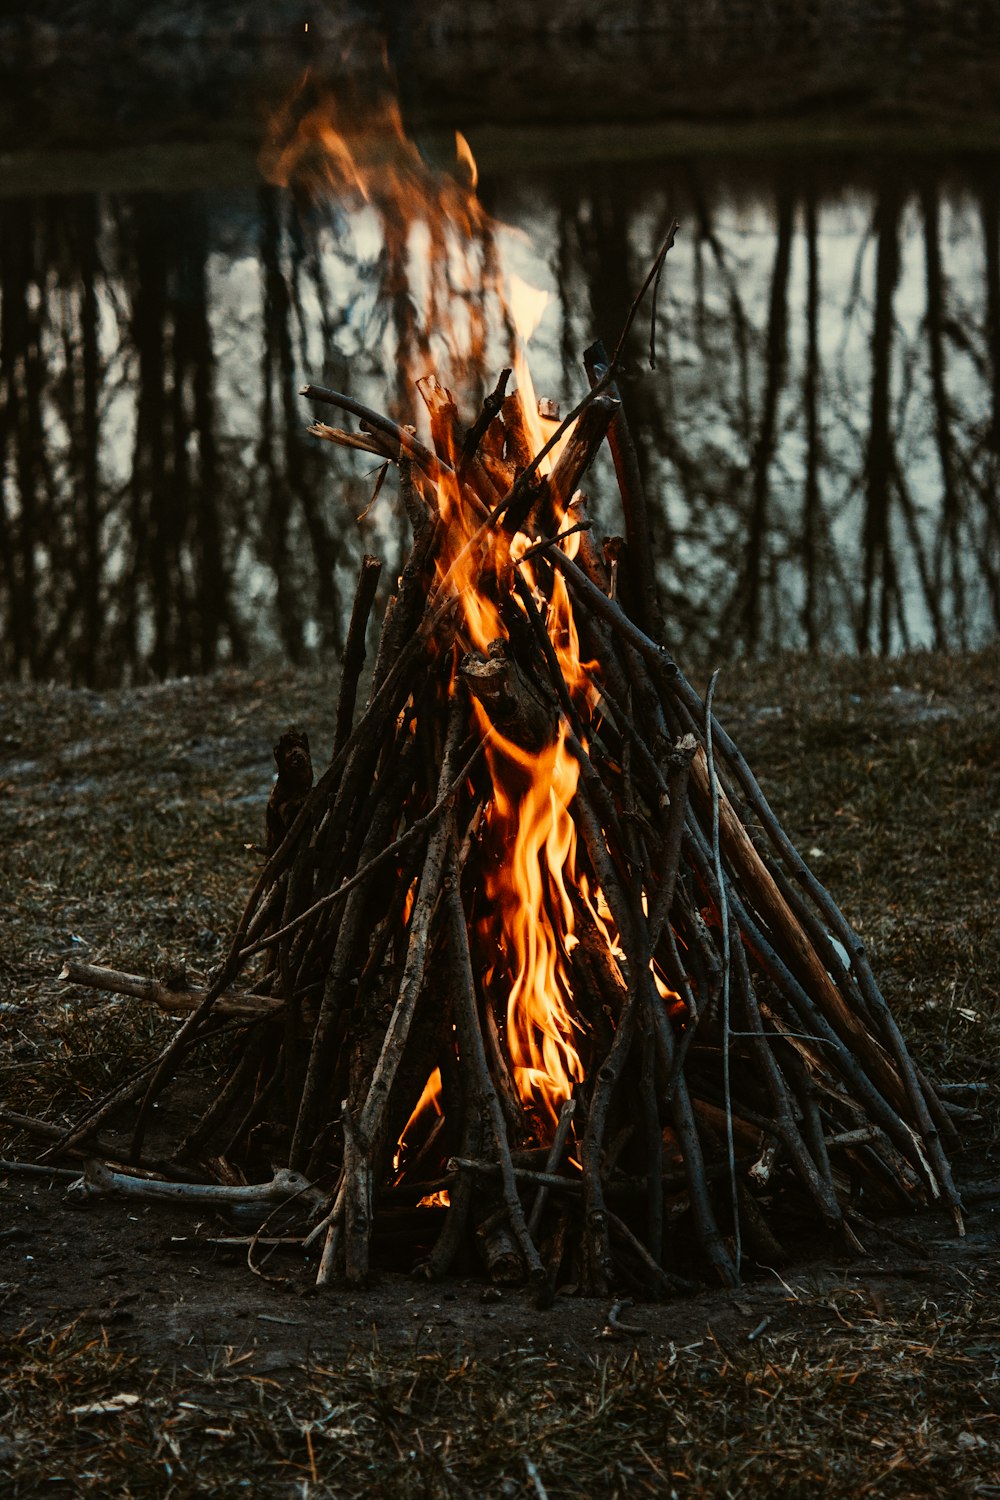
x,y
822,437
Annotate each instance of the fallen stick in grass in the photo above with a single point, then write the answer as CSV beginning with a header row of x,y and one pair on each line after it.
x,y
99,1181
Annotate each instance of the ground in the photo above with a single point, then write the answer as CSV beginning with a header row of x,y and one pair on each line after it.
x,y
136,1363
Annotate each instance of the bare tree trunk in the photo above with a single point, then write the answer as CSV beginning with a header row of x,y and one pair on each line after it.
x,y
764,449
949,537
812,499
879,572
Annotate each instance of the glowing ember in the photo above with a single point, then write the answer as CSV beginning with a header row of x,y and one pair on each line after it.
x,y
440,1199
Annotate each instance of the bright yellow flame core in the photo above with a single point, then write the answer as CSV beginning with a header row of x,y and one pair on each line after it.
x,y
529,898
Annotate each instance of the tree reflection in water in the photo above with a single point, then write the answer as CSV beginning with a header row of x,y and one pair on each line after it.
x,y
821,438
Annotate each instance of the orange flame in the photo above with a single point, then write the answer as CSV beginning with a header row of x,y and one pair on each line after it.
x,y
533,909
435,232
440,1199
437,256
420,1121
527,307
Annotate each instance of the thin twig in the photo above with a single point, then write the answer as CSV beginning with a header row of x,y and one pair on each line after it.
x,y
490,410
596,390
547,543
726,964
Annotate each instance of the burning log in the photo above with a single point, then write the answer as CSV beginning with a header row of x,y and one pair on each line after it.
x,y
533,956
507,697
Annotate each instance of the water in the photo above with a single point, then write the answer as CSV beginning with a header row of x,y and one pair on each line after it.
x,y
820,439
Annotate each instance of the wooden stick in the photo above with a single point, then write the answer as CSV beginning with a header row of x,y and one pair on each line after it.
x,y
354,650
126,1092
338,993
331,1247
406,441
36,1169
45,1130
590,555
379,708
357,1200
727,945
648,1102
380,446
553,541
173,1002
641,551
581,448
652,1129
99,1181
662,1280
474,1058
800,954
612,613
563,1127
678,770
490,411
372,1120
385,856
527,476
448,1244
812,1021
510,1101
471,476
602,383
509,698
842,929
557,1250
247,1066
549,1180
819,1186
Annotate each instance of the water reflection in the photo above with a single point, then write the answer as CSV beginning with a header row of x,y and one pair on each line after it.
x,y
822,435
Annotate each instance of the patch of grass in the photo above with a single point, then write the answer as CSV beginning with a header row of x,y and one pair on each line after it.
x,y
123,824
861,1401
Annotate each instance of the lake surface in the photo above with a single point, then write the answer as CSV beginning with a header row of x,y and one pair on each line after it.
x,y
820,438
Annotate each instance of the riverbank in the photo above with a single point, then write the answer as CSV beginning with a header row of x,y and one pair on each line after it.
x,y
125,77
123,823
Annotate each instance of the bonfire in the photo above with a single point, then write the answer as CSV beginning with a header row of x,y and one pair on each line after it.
x,y
531,977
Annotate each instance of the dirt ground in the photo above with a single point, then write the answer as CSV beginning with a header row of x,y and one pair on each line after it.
x,y
136,1360
139,1356
147,1273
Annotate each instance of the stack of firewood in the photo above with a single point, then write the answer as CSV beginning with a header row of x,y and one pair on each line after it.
x,y
728,1060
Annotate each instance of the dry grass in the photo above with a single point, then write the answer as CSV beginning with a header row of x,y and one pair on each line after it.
x,y
863,1403
123,820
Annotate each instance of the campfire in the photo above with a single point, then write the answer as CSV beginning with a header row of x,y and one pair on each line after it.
x,y
531,977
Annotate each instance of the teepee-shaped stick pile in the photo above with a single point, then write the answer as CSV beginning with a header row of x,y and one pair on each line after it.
x,y
532,971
